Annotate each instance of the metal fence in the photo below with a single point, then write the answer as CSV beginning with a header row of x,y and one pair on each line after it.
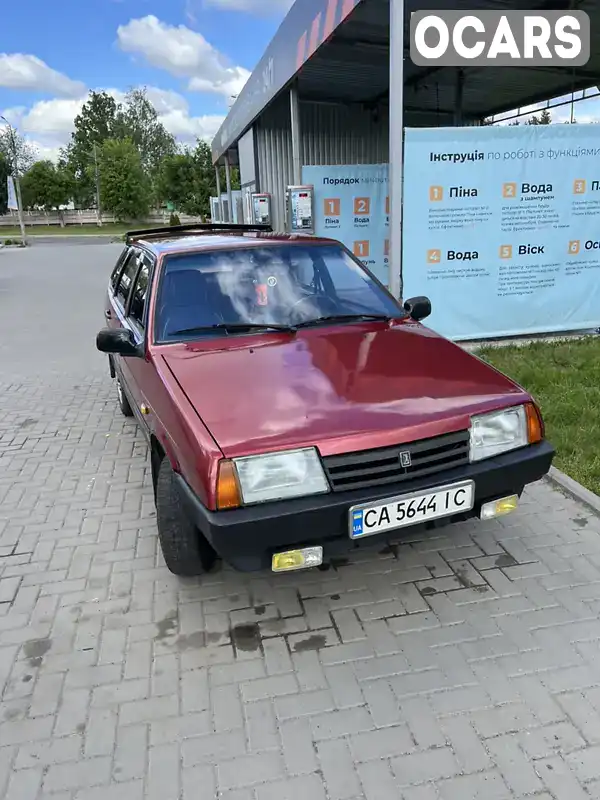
x,y
84,217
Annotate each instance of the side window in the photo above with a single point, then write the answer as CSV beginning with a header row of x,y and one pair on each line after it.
x,y
140,294
116,273
131,266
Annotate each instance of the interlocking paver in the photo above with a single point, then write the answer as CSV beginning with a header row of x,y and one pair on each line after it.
x,y
458,664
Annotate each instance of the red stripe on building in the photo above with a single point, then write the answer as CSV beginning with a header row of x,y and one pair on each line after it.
x,y
332,6
348,6
301,55
314,34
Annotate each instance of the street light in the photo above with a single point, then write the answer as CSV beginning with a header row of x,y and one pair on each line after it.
x,y
16,176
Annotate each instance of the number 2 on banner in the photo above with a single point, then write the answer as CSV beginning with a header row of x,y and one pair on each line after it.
x,y
362,205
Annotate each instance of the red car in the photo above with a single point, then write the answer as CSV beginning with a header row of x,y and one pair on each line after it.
x,y
294,409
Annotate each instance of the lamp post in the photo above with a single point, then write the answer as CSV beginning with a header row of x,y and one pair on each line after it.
x,y
15,167
97,177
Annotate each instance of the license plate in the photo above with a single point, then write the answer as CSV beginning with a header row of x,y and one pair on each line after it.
x,y
411,509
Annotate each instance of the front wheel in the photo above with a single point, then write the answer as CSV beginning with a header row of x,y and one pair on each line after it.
x,y
124,405
185,550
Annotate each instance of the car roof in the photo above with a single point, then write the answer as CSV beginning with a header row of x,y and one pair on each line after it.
x,y
168,245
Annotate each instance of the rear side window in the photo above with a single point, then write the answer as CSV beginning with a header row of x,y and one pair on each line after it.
x,y
127,277
140,294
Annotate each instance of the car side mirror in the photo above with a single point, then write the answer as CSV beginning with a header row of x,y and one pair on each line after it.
x,y
118,342
418,308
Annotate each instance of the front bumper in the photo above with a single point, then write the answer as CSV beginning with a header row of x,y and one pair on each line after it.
x,y
247,538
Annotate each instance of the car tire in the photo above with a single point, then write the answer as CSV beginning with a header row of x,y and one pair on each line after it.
x,y
185,550
124,405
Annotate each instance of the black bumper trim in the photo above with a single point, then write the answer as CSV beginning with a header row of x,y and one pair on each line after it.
x,y
246,538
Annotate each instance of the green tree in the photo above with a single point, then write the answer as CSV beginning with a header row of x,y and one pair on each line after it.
x,y
124,187
203,155
46,186
138,120
4,173
207,177
545,118
97,122
188,180
17,150
179,183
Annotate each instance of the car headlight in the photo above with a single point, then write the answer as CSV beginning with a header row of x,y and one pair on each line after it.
x,y
498,432
279,476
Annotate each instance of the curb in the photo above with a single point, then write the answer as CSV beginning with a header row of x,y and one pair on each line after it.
x,y
574,489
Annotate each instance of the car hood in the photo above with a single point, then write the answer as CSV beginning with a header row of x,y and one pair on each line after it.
x,y
342,389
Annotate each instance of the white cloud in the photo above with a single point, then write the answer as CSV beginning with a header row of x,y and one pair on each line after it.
x,y
48,123
183,53
256,7
27,72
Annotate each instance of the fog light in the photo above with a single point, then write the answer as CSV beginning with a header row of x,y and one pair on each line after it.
x,y
297,559
499,508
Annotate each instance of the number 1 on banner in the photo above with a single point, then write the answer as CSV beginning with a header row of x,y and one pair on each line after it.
x,y
361,249
332,207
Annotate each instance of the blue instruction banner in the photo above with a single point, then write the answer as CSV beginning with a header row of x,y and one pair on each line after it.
x,y
501,228
352,205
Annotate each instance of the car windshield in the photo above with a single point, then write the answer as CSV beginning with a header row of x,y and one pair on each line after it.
x,y
216,293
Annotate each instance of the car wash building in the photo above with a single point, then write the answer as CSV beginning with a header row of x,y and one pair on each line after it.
x,y
338,133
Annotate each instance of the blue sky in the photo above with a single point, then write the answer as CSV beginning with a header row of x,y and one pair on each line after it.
x,y
193,55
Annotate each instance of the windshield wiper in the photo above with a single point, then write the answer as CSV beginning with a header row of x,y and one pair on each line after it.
x,y
234,327
344,318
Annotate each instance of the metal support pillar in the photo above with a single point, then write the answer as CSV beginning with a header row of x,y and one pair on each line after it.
x,y
296,136
229,192
395,281
219,198
97,177
458,97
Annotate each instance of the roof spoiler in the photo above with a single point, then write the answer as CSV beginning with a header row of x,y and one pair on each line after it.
x,y
198,227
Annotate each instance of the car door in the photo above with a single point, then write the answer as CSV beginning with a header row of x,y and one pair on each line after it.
x,y
140,371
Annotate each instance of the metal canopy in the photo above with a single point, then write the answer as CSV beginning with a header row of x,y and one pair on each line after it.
x,y
352,66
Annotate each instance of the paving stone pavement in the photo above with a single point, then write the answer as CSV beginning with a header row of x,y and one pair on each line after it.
x,y
454,665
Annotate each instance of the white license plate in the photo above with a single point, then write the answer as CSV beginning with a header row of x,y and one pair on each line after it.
x,y
411,509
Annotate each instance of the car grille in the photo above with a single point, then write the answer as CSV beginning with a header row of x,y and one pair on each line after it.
x,y
384,465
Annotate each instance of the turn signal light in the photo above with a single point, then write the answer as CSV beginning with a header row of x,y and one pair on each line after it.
x,y
535,426
228,489
297,559
499,508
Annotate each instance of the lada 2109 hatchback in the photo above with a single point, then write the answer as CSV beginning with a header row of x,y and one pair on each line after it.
x,y
294,409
